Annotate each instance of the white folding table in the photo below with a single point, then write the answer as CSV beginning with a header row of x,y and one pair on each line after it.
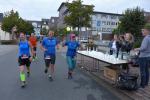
x,y
113,62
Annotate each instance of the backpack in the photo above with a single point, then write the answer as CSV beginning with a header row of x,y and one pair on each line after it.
x,y
127,81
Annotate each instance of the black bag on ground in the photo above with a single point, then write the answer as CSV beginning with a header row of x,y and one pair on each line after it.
x,y
134,60
127,81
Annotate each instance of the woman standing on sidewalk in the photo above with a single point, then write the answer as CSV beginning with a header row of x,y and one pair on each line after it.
x,y
114,46
72,45
144,57
24,58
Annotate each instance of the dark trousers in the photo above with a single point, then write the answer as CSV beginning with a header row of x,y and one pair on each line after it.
x,y
144,70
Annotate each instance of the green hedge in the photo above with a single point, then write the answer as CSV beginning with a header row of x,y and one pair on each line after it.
x,y
8,42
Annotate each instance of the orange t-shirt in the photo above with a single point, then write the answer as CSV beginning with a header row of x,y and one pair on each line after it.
x,y
33,41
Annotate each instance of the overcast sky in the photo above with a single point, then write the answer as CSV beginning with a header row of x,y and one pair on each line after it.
x,y
37,9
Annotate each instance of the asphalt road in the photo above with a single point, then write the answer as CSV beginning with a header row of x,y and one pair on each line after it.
x,y
39,87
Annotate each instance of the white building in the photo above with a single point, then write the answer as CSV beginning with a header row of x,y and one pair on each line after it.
x,y
3,35
101,22
37,26
147,16
104,23
45,23
63,11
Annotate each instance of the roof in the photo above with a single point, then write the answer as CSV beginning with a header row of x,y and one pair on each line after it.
x,y
55,18
34,21
62,4
146,13
96,12
1,17
45,20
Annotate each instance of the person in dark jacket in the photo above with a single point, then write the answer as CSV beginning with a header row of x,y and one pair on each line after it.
x,y
114,46
127,43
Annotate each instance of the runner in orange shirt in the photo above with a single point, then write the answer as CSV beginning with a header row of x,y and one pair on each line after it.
x,y
33,41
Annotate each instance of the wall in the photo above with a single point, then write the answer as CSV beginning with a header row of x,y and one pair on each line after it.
x,y
104,23
4,35
61,17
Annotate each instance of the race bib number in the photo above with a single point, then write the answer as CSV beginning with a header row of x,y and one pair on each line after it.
x,y
24,57
47,57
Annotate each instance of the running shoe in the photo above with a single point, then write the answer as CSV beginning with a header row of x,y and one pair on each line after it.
x,y
28,74
46,70
70,76
50,77
23,84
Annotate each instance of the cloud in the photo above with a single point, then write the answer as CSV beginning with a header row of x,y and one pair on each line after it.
x,y
118,6
37,9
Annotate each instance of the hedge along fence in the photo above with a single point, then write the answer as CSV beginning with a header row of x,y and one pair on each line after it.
x,y
137,42
8,42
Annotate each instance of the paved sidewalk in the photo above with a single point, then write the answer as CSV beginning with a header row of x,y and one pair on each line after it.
x,y
6,48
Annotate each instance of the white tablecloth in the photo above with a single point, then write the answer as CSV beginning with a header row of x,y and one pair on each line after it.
x,y
103,57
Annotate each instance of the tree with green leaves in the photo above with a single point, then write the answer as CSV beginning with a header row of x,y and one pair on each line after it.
x,y
118,30
79,14
44,31
12,19
24,26
133,21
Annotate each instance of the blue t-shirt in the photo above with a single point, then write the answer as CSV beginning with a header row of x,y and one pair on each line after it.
x,y
49,44
24,48
72,48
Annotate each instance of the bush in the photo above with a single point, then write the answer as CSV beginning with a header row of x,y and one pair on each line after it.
x,y
137,43
8,42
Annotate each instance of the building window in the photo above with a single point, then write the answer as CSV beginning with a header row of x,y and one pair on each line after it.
x,y
53,20
44,23
98,23
109,29
113,17
93,22
103,22
99,29
108,23
103,29
113,23
104,16
94,28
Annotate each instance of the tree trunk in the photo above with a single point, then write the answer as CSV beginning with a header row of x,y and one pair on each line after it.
x,y
86,32
78,30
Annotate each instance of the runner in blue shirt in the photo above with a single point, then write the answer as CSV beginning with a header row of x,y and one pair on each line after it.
x,y
24,58
49,47
71,54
